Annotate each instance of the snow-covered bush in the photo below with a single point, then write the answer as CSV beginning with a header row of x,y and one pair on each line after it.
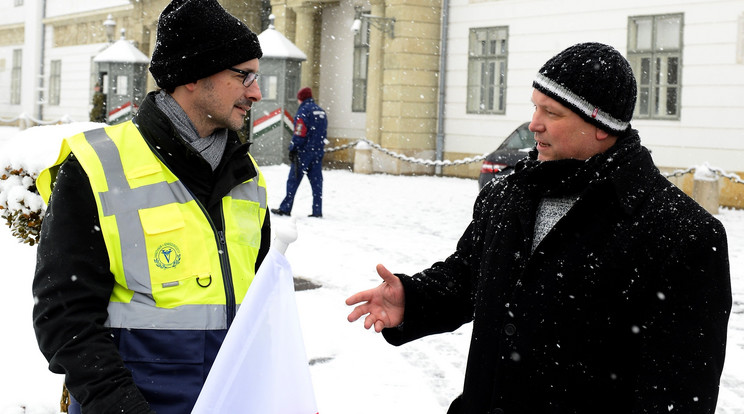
x,y
23,155
20,203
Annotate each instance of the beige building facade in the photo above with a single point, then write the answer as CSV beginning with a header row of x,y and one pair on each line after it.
x,y
46,49
401,80
390,84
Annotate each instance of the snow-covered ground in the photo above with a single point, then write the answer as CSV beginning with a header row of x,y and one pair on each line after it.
x,y
406,223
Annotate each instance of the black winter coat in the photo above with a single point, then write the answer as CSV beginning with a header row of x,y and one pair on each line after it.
x,y
622,307
73,283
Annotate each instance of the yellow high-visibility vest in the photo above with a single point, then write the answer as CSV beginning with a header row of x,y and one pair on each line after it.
x,y
173,269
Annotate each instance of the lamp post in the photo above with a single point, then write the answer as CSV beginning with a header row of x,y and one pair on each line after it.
x,y
109,24
384,24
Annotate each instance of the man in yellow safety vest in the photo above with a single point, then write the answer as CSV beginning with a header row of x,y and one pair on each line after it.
x,y
155,227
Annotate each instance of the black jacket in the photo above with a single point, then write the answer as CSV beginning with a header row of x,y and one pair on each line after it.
x,y
73,283
622,307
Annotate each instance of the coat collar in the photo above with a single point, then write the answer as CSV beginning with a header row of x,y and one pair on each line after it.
x,y
631,183
621,172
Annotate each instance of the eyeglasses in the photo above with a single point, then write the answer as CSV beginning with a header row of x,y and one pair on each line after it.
x,y
249,78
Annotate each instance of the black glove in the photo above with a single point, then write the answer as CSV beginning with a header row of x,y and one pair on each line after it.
x,y
293,156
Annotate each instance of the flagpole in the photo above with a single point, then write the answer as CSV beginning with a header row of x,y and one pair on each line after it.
x,y
284,235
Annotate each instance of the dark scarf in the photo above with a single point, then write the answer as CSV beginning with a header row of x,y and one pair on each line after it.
x,y
570,177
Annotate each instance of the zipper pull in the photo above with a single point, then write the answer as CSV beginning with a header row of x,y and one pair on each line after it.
x,y
223,242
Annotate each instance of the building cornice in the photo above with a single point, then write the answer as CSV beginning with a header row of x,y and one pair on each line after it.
x,y
88,15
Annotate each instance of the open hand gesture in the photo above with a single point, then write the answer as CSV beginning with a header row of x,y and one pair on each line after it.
x,y
383,305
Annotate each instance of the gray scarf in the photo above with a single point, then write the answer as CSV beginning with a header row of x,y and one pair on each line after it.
x,y
549,211
211,147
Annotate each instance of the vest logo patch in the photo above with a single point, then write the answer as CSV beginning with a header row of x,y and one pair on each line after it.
x,y
167,256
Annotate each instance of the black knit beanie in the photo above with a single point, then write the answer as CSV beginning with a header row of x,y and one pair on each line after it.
x,y
593,80
196,39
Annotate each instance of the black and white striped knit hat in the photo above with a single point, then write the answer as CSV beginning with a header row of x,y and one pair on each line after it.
x,y
593,80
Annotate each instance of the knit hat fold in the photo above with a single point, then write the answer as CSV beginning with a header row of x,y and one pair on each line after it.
x,y
593,80
196,39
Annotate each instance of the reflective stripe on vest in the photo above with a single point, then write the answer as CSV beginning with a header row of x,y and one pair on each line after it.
x,y
136,218
124,202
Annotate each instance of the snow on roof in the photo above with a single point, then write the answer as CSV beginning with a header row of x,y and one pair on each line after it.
x,y
275,45
121,51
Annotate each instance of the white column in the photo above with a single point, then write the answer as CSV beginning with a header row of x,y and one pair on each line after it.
x,y
31,71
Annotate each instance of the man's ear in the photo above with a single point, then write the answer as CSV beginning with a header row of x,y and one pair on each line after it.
x,y
191,86
602,134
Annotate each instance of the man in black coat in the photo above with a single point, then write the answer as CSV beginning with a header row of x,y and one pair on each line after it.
x,y
594,285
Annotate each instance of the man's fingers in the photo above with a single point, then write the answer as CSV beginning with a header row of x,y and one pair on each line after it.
x,y
357,313
369,321
379,325
353,299
359,297
371,301
385,274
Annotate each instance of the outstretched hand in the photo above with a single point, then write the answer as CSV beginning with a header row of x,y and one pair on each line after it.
x,y
383,305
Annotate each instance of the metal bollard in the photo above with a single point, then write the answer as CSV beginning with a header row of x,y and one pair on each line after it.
x,y
363,158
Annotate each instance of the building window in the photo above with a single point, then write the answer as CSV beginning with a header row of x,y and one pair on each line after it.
x,y
487,70
291,84
361,57
15,77
55,76
655,53
270,87
122,85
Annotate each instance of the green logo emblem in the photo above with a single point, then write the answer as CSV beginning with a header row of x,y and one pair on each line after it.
x,y
167,256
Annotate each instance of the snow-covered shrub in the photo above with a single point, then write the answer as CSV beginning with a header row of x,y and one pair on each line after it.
x,y
20,203
23,155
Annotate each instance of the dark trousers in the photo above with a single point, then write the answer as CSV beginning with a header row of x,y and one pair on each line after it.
x,y
74,407
314,172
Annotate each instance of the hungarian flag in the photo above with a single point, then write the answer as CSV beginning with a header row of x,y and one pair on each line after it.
x,y
262,367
